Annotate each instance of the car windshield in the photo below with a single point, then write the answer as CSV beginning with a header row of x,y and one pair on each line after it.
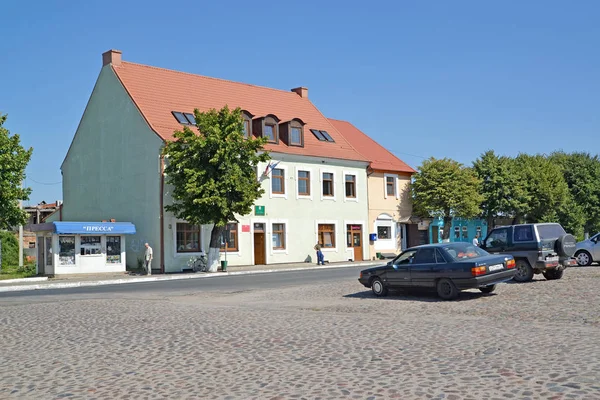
x,y
463,251
550,231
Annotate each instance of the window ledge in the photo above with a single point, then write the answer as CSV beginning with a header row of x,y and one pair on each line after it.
x,y
329,250
280,251
278,196
355,199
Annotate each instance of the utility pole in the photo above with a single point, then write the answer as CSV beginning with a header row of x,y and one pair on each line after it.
x,y
21,236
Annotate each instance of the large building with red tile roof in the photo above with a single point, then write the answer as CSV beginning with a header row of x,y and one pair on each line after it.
x,y
316,190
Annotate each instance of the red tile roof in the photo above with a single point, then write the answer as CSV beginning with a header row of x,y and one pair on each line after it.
x,y
380,157
157,92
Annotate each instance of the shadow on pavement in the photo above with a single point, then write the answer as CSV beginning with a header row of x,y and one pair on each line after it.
x,y
416,295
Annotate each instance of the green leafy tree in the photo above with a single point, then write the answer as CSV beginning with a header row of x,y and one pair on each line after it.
x,y
445,188
13,161
213,173
503,189
547,191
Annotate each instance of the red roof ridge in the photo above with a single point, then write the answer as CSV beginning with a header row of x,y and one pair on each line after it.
x,y
212,78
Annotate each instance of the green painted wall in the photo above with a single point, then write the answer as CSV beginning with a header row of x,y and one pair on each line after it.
x,y
112,167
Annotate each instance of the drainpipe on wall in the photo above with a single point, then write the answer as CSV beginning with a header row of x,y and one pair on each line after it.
x,y
161,215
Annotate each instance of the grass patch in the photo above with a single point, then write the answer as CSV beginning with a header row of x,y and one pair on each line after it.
x,y
15,272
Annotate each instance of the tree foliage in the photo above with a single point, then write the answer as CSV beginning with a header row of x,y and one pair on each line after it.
x,y
581,172
212,171
13,161
503,188
445,188
10,249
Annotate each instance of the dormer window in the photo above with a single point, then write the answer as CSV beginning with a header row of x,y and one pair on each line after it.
x,y
269,132
247,121
267,127
292,132
296,136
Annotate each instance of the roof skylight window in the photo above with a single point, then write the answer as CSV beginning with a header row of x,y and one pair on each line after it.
x,y
327,136
318,135
180,117
190,118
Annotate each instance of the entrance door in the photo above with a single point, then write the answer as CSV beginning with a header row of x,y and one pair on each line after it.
x,y
260,257
355,240
435,234
41,260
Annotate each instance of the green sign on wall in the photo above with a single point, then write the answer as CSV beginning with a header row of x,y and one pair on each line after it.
x,y
259,210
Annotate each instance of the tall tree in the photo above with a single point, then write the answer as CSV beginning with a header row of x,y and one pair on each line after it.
x,y
502,188
13,161
445,188
581,171
547,190
213,173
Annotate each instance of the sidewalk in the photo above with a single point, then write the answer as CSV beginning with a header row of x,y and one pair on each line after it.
x,y
70,281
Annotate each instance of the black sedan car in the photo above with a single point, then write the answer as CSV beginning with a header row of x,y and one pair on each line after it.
x,y
447,267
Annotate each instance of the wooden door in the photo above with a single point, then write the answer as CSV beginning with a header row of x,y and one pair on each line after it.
x,y
260,257
355,240
435,234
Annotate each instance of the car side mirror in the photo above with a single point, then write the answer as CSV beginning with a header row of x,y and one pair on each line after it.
x,y
389,263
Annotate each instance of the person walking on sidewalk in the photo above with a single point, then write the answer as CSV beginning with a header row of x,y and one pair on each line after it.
x,y
148,259
320,257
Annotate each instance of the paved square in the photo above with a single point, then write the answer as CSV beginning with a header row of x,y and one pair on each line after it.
x,y
329,341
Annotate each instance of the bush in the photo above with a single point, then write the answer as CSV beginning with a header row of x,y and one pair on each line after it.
x,y
10,249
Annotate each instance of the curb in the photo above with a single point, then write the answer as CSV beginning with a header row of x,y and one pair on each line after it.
x,y
66,285
19,280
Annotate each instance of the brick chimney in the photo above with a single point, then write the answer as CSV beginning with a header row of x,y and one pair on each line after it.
x,y
111,57
301,91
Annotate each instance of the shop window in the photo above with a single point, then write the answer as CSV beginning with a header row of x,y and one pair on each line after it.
x,y
278,236
113,249
230,236
327,184
304,183
384,232
327,236
465,232
278,181
351,186
457,233
188,238
66,250
90,245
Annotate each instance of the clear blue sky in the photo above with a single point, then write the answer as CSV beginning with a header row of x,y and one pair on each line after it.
x,y
439,78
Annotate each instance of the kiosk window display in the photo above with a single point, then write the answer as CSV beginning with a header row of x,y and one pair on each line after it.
x,y
82,247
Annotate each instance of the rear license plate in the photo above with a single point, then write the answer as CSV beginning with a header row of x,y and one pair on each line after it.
x,y
496,267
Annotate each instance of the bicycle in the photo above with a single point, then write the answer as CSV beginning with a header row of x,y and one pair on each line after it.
x,y
199,264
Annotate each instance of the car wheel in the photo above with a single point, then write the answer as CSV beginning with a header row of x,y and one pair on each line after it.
x,y
553,274
583,258
524,272
378,288
488,289
446,289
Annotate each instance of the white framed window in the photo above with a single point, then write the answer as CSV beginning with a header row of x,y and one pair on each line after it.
x,y
278,185
327,180
326,234
304,187
188,240
390,189
350,186
278,231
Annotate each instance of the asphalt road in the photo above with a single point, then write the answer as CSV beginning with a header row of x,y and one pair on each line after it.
x,y
224,284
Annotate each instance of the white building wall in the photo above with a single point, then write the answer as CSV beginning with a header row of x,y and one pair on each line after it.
x,y
300,214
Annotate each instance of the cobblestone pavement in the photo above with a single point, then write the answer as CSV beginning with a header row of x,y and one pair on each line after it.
x,y
329,341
